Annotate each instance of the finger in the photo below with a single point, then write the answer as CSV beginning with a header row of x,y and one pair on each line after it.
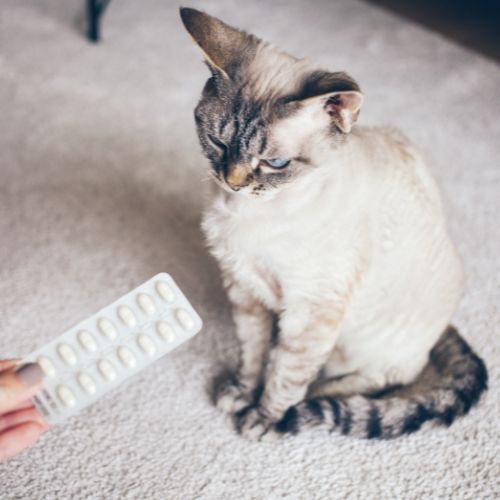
x,y
13,418
18,438
18,385
5,364
27,403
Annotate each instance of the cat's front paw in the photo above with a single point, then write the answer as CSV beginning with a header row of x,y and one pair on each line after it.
x,y
255,425
231,397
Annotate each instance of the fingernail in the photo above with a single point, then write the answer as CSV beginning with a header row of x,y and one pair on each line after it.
x,y
30,373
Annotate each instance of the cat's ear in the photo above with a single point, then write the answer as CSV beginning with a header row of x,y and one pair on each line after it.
x,y
335,94
343,108
223,46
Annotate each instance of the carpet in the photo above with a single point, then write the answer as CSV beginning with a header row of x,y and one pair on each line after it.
x,y
102,184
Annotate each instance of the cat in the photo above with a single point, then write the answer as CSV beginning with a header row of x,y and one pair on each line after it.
x,y
334,233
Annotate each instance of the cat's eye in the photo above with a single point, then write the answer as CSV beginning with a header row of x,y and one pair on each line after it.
x,y
217,143
277,162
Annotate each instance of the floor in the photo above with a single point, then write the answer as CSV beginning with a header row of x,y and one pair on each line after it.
x,y
102,186
472,24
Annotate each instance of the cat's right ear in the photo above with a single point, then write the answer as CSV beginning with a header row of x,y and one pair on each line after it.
x,y
222,45
335,95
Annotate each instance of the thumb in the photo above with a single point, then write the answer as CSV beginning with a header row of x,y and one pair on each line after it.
x,y
17,385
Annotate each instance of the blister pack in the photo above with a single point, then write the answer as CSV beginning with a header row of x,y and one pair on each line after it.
x,y
101,352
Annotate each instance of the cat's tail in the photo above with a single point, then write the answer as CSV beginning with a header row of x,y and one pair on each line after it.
x,y
457,376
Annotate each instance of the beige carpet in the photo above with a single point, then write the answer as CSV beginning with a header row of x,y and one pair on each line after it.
x,y
100,188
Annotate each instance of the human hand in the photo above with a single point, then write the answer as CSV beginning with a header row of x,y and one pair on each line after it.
x,y
20,423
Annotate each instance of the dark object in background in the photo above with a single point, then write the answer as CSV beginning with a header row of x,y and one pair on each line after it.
x,y
473,23
95,9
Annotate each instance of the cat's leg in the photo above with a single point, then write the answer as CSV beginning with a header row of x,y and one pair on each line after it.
x,y
306,340
253,330
353,383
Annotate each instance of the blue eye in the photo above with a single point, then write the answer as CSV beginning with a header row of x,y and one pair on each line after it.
x,y
277,162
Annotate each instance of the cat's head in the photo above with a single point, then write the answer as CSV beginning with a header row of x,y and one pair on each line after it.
x,y
265,118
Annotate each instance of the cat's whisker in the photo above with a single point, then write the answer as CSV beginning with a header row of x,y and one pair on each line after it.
x,y
210,176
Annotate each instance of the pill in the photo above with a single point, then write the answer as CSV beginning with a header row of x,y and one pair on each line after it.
x,y
146,303
126,357
165,331
127,316
165,291
66,395
87,341
47,366
107,328
67,354
86,382
146,344
184,318
106,369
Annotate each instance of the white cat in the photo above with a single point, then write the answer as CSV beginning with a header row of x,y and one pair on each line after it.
x,y
338,232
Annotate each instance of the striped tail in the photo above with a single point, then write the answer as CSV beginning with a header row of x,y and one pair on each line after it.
x,y
457,376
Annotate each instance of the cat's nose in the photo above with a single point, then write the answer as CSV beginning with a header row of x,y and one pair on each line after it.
x,y
238,175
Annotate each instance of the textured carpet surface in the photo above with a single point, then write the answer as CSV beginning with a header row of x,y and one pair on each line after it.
x,y
101,182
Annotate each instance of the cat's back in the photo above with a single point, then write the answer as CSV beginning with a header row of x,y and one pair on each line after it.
x,y
396,168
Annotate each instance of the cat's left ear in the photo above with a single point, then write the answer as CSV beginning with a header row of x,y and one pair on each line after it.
x,y
223,46
336,95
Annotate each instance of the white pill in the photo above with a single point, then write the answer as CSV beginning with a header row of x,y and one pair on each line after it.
x,y
126,357
146,304
66,395
146,344
107,328
127,316
185,319
165,291
67,354
47,366
165,331
87,341
107,369
86,382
